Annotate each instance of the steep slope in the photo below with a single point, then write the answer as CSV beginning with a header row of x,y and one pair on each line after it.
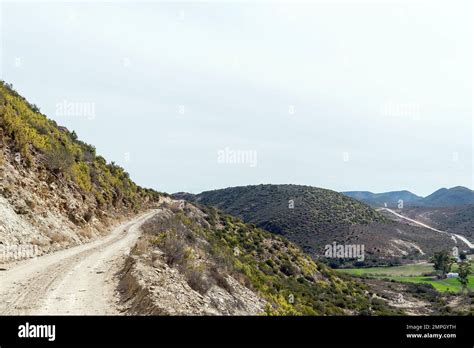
x,y
450,197
392,199
54,190
194,260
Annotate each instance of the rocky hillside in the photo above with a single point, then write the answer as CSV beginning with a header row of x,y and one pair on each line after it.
x,y
194,260
55,191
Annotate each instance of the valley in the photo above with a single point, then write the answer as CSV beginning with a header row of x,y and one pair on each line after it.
x,y
79,237
399,243
320,217
418,273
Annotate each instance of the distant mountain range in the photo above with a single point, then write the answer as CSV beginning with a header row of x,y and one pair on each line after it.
x,y
56,192
444,197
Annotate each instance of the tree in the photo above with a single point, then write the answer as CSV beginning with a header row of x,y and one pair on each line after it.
x,y
74,135
443,261
35,108
464,271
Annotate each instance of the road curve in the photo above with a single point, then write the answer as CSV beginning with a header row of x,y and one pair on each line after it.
x,y
453,235
75,281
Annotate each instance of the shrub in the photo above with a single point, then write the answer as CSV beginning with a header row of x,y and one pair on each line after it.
x,y
197,279
288,269
56,237
269,263
220,279
174,248
59,159
31,133
80,174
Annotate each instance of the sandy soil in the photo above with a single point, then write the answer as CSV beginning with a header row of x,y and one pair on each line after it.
x,y
76,281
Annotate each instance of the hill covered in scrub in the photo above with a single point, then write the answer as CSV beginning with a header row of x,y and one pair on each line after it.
x,y
454,196
306,215
288,206
54,189
313,218
56,192
221,265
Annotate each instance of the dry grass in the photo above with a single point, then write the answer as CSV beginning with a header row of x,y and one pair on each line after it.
x,y
86,232
37,242
175,250
219,277
141,247
197,279
31,204
56,237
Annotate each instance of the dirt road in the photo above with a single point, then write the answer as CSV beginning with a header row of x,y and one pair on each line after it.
x,y
79,280
453,235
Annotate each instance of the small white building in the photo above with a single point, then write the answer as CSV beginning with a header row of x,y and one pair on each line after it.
x,y
453,275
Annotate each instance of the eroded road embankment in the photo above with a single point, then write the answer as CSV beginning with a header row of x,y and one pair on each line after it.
x,y
79,280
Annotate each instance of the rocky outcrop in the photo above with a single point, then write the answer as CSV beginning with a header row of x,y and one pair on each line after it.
x,y
150,287
51,215
41,209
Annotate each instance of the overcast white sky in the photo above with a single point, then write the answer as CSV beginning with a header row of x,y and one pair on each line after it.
x,y
353,95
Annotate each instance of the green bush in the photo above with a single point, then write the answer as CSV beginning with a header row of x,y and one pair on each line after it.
x,y
40,140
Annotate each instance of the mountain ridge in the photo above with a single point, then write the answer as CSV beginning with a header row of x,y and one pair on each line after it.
x,y
443,197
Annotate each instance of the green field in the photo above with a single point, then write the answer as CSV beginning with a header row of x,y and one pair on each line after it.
x,y
412,273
